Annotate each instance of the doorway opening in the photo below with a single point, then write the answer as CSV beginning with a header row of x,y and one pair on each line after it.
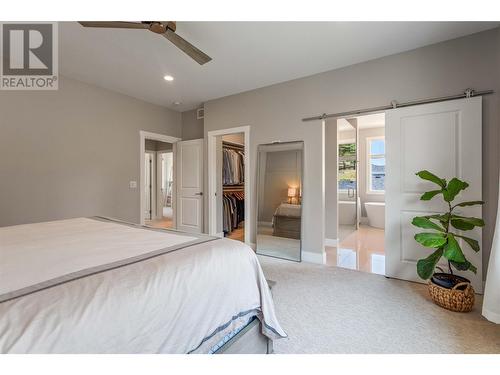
x,y
360,194
159,184
157,180
228,183
232,172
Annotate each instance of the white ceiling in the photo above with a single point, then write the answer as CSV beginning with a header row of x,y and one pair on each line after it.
x,y
246,55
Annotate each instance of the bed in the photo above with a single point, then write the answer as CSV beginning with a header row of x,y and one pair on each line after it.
x,y
287,221
95,285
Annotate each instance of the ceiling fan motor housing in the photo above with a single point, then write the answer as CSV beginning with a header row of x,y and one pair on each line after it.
x,y
161,27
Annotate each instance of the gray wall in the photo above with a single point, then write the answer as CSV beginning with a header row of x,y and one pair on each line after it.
x,y
192,128
72,152
275,112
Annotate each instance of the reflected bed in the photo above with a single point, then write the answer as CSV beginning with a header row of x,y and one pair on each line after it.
x,y
287,221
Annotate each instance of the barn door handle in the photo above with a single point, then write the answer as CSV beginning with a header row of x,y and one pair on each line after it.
x,y
200,193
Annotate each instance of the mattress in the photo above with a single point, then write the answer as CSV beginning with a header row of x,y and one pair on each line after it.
x,y
93,285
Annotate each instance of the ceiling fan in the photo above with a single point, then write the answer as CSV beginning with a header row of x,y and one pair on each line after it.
x,y
164,28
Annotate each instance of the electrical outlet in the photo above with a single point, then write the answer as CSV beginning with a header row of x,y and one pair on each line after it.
x,y
133,184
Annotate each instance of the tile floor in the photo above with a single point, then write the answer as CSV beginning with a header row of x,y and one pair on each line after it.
x,y
361,250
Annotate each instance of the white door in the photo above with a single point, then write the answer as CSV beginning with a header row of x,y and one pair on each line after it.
x,y
444,138
190,186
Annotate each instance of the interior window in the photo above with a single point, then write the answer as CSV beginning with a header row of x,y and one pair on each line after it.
x,y
376,164
347,166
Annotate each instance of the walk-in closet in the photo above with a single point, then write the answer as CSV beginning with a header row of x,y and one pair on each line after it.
x,y
233,186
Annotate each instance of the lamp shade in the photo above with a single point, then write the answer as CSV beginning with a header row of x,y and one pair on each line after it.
x,y
292,192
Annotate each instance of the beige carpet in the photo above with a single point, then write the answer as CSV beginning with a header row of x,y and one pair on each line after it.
x,y
333,310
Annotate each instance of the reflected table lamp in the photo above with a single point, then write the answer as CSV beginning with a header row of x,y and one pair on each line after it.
x,y
292,193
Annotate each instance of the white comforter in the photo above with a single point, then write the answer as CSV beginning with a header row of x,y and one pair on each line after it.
x,y
287,209
184,301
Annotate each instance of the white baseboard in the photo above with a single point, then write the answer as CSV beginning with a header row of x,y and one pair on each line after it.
x,y
491,316
314,257
220,234
331,242
252,245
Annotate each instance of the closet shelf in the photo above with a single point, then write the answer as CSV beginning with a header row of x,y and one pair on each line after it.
x,y
232,145
229,188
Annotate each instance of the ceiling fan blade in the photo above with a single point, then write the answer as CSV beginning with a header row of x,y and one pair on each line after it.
x,y
115,24
193,52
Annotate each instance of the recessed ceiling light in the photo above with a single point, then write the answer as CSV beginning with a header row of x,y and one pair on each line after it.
x,y
168,78
176,103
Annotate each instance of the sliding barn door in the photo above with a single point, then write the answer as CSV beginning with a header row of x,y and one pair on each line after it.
x,y
444,138
190,186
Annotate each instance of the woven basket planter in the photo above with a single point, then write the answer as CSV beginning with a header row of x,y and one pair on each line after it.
x,y
460,298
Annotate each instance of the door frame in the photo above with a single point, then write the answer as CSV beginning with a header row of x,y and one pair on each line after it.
x,y
143,135
212,178
152,180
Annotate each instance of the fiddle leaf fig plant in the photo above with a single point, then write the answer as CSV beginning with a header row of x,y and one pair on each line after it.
x,y
440,233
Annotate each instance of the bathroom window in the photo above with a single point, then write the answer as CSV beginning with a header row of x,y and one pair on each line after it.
x,y
347,166
376,165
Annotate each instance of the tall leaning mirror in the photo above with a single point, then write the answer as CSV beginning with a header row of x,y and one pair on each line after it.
x,y
279,199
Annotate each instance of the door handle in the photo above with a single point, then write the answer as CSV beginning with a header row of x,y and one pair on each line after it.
x,y
200,193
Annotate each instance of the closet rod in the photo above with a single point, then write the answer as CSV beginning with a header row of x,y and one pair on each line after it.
x,y
232,145
469,93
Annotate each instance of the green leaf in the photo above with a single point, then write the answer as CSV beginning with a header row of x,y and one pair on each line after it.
x,y
465,266
425,267
426,175
478,222
471,203
423,222
470,241
466,223
462,225
433,240
454,187
452,250
442,218
427,196
472,267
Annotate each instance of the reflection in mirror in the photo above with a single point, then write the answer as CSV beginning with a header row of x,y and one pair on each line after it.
x,y
279,200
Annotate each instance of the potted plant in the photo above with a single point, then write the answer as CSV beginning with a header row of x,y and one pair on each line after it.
x,y
447,289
